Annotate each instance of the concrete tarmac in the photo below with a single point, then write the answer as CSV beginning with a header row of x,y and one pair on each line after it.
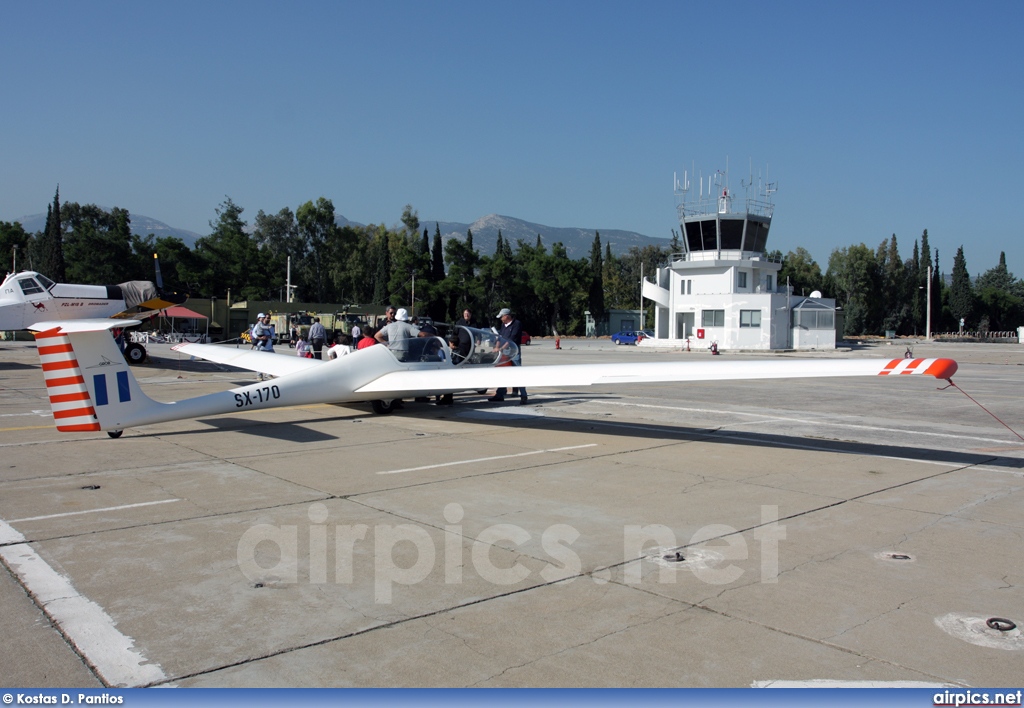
x,y
846,531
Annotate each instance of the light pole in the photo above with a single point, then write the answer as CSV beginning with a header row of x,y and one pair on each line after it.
x,y
928,310
928,307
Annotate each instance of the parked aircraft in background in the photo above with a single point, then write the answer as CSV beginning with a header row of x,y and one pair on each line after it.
x,y
28,297
91,388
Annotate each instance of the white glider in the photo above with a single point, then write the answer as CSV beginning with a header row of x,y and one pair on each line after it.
x,y
91,387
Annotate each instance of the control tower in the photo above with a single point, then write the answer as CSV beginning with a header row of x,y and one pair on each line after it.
x,y
714,227
722,288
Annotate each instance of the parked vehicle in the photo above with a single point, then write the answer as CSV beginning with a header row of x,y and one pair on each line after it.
x,y
631,336
527,339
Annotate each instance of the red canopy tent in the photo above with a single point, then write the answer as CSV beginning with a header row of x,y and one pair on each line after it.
x,y
179,311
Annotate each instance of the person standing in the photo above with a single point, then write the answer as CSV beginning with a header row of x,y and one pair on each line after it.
x,y
368,339
465,338
389,317
398,334
263,334
317,337
342,346
263,339
512,330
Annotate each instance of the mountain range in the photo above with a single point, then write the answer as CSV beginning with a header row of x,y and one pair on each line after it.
x,y
577,241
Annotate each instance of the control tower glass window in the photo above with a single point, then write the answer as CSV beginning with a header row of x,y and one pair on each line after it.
x,y
732,234
693,239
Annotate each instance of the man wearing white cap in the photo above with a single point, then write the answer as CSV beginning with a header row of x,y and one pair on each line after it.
x,y
512,330
263,334
262,337
398,334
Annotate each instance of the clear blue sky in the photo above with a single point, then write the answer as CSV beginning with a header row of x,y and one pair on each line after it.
x,y
875,117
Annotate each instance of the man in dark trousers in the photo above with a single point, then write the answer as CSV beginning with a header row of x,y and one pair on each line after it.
x,y
465,338
512,330
317,337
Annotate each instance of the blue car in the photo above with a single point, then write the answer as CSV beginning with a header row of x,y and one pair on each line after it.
x,y
631,336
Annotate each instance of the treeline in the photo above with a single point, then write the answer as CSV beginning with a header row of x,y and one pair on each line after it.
x,y
349,265
876,288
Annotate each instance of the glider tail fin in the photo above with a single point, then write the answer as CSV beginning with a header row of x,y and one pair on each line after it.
x,y
70,400
87,378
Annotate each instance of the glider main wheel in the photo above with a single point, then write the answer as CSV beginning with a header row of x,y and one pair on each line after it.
x,y
134,353
115,433
384,407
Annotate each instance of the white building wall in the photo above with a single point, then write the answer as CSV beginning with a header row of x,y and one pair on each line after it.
x,y
691,287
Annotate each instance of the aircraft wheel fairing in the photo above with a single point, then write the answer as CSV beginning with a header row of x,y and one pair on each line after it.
x,y
383,407
134,353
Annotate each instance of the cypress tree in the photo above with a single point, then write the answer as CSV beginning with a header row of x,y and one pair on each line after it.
x,y
51,252
437,265
383,273
961,295
596,295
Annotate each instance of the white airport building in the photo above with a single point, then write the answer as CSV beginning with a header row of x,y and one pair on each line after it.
x,y
722,288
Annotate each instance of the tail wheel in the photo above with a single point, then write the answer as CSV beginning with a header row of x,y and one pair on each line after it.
x,y
114,433
134,353
383,407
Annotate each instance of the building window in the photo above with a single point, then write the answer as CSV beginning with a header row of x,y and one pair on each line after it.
x,y
742,279
712,318
685,287
814,319
750,318
768,280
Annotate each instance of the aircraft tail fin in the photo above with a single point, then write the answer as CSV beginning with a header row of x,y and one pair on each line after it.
x,y
87,378
70,400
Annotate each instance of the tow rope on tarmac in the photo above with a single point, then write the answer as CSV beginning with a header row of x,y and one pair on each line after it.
x,y
982,407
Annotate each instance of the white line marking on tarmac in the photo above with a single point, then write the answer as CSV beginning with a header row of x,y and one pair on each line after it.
x,y
839,683
767,417
86,625
94,511
487,459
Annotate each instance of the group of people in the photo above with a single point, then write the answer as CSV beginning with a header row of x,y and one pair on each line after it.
x,y
400,330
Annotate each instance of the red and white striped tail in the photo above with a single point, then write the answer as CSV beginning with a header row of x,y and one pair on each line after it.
x,y
69,398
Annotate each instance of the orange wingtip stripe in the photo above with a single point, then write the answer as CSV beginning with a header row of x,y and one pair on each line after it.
x,y
75,413
942,368
889,367
70,364
55,349
66,381
81,428
911,366
67,397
